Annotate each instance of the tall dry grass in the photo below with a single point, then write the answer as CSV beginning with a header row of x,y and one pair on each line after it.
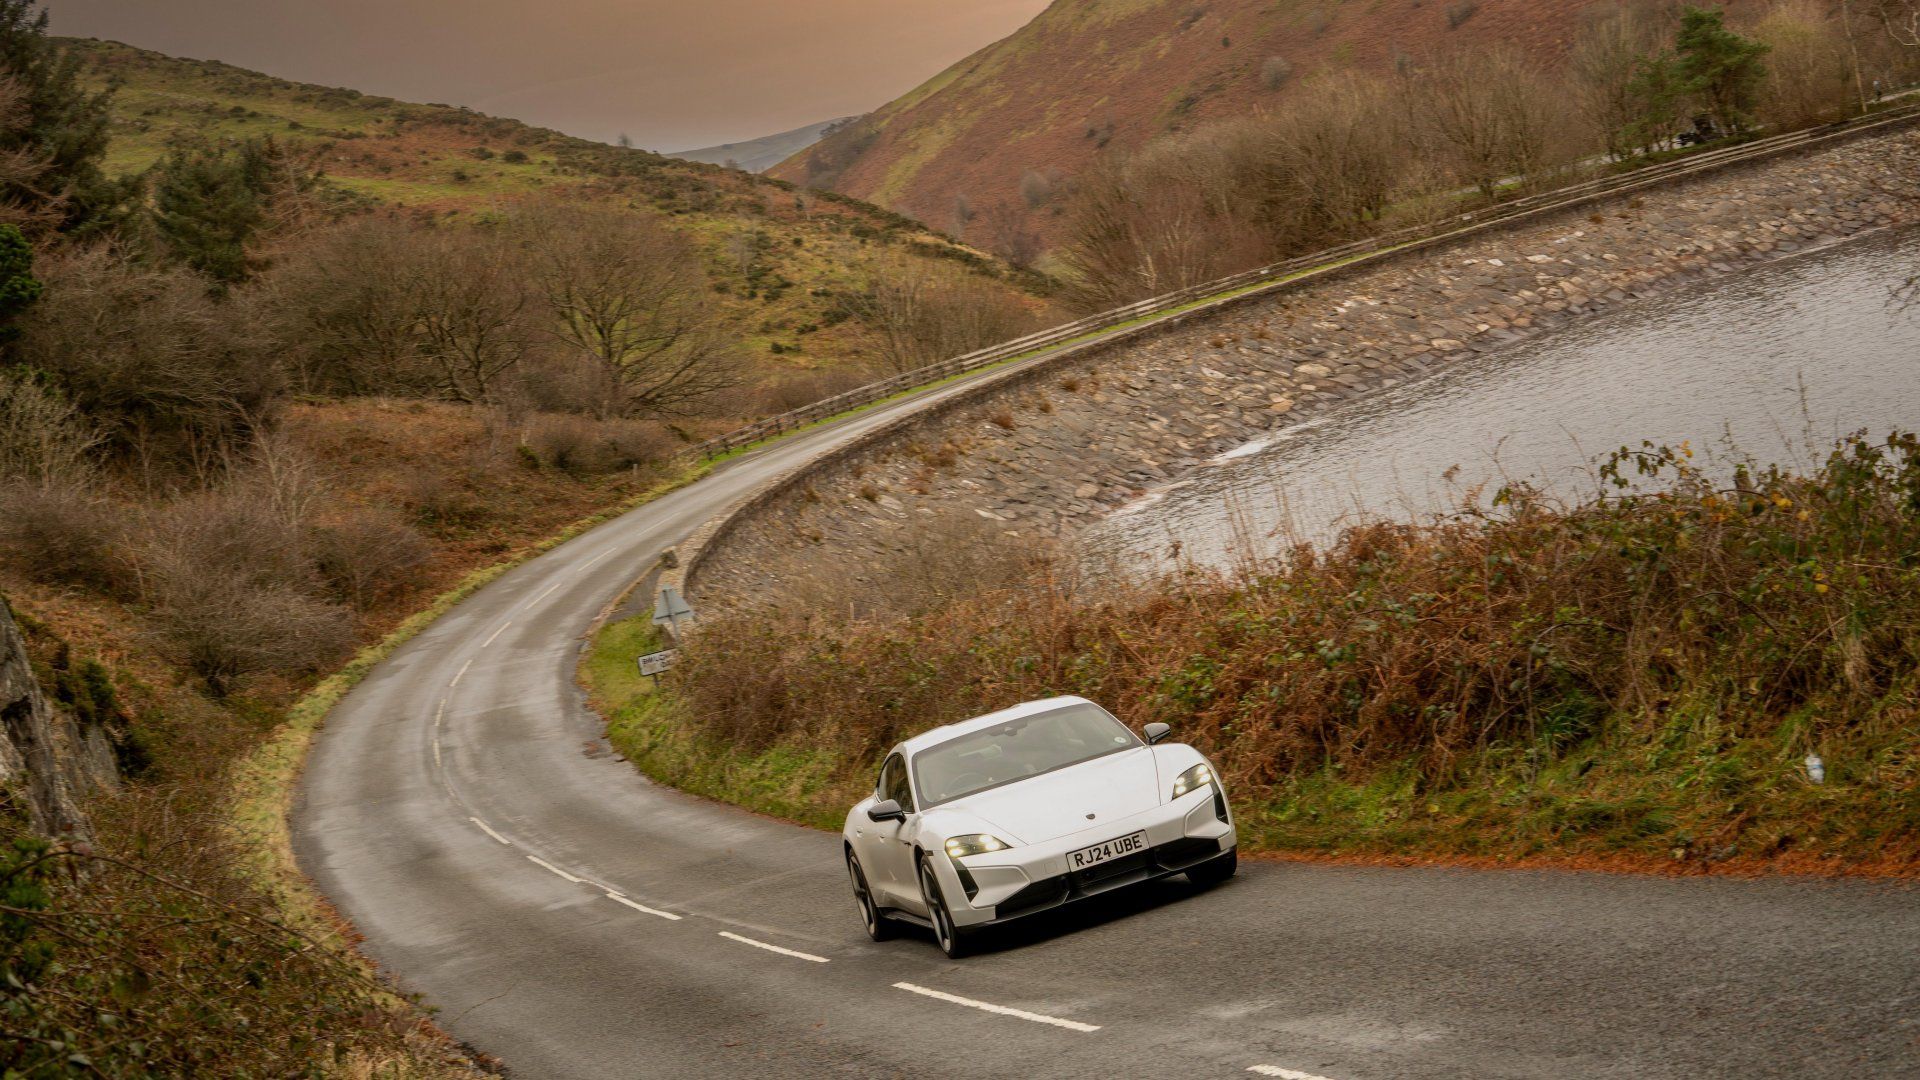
x,y
1713,634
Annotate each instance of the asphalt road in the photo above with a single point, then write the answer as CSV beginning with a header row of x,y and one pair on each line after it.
x,y
575,920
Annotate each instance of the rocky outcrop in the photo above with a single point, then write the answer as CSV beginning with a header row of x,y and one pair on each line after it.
x,y
1049,450
50,760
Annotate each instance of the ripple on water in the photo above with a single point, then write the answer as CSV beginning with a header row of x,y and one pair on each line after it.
x,y
1772,364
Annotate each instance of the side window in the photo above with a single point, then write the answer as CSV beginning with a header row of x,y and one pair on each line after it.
x,y
893,783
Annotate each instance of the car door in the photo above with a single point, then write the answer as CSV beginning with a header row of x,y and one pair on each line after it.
x,y
894,875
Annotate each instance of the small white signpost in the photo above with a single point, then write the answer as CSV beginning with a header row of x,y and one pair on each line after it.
x,y
656,662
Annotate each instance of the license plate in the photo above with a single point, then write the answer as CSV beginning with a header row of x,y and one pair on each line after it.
x,y
1113,849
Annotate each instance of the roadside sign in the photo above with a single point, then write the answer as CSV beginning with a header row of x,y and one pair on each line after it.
x,y
656,662
671,608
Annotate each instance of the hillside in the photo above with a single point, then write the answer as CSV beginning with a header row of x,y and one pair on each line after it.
x,y
1094,76
759,155
782,261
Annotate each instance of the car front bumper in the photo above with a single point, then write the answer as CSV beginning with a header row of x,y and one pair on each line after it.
x,y
1004,885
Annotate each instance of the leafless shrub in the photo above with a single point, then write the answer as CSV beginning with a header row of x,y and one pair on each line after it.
x,y
231,589
584,446
923,313
1237,194
1008,232
1275,71
1003,419
1458,13
564,442
1035,189
166,372
788,392
62,535
44,440
367,557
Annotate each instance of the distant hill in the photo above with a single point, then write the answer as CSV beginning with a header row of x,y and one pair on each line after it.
x,y
781,259
759,155
1088,76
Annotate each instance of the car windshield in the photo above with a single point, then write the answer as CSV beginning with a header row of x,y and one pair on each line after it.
x,y
1016,750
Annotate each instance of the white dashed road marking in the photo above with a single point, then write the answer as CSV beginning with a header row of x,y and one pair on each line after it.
x,y
590,562
485,829
730,936
462,671
542,596
618,899
495,634
1284,1074
998,1010
549,866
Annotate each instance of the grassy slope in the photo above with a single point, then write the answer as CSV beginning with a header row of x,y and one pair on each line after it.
x,y
451,162
1092,74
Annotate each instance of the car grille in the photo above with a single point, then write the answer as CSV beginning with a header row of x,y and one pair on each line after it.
x,y
1168,858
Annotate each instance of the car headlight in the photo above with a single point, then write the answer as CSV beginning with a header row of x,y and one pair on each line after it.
x,y
1192,780
976,844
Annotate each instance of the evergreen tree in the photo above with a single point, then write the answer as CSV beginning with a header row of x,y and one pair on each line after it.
x,y
1723,68
66,125
209,202
18,287
1658,91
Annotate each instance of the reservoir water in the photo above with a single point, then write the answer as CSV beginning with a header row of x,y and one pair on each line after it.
x,y
1771,364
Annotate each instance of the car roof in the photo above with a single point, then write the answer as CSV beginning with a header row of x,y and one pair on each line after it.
x,y
942,734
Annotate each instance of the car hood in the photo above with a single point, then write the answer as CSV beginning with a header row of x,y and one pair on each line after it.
x,y
1040,808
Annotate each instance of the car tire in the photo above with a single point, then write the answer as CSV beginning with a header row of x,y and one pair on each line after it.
x,y
879,927
951,939
1215,870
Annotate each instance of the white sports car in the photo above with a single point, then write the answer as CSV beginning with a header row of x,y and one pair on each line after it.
x,y
1027,809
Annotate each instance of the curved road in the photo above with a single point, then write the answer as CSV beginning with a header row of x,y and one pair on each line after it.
x,y
575,920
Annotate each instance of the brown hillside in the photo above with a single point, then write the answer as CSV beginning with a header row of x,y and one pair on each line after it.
x,y
1093,76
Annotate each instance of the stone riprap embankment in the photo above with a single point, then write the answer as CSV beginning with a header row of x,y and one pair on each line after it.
x,y
1050,449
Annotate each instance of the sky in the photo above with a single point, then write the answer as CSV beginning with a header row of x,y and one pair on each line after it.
x,y
671,75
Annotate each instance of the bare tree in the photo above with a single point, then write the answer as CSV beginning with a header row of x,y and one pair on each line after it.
x,y
1606,65
1340,158
472,310
1237,194
1808,69
631,296
1010,234
924,313
1494,118
1900,17
343,302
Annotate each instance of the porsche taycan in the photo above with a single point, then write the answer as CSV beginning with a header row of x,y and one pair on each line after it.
x,y
1025,810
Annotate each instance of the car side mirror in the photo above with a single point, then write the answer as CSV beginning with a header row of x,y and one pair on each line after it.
x,y
1156,732
886,810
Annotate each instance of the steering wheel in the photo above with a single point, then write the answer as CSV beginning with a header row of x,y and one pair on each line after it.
x,y
965,781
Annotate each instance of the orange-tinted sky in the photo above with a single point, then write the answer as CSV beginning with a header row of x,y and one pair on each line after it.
x,y
673,74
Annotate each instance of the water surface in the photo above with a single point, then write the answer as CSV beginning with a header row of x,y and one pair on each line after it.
x,y
1771,364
